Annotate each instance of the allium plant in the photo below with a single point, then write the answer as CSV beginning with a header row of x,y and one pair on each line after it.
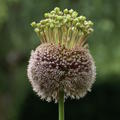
x,y
62,66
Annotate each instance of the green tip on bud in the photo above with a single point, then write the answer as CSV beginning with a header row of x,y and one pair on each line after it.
x,y
37,30
38,25
82,18
90,23
51,25
68,17
71,11
46,15
57,9
66,11
59,17
52,12
74,14
33,24
78,24
90,30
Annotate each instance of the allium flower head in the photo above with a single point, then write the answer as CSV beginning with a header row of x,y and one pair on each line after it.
x,y
62,62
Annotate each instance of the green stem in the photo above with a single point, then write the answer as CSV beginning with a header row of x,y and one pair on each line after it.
x,y
61,105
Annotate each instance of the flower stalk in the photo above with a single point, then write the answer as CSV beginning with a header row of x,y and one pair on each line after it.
x,y
62,66
61,105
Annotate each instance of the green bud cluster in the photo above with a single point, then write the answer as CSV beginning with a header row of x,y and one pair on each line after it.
x,y
66,21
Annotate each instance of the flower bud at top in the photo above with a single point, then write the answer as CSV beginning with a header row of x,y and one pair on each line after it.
x,y
71,11
33,24
66,11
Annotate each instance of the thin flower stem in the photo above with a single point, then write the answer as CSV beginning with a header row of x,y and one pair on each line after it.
x,y
61,105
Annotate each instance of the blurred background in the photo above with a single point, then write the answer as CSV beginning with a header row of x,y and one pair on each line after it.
x,y
17,39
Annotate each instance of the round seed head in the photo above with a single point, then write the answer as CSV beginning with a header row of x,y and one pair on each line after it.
x,y
62,62
54,68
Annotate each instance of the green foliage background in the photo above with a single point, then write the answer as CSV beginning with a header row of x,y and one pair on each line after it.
x,y
17,39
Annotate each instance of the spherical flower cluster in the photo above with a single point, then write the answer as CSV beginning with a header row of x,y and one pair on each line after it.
x,y
62,62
